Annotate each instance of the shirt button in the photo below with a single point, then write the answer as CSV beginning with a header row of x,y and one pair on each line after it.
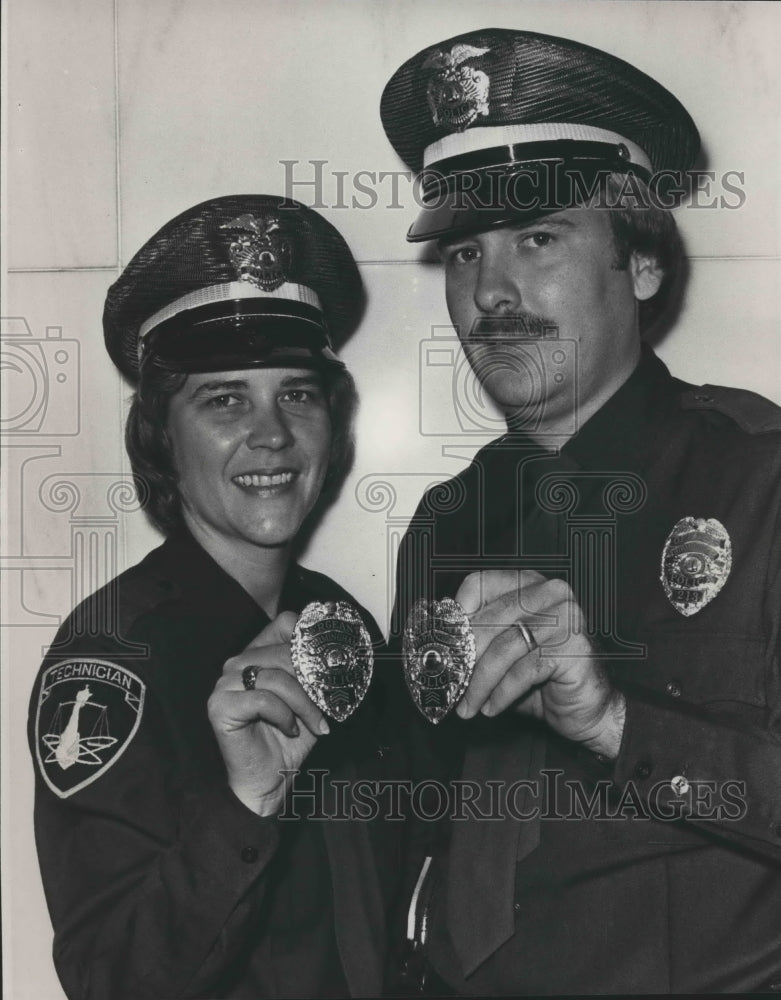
x,y
679,785
674,689
517,907
249,854
643,769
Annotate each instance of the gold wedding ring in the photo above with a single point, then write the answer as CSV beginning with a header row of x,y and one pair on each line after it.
x,y
528,637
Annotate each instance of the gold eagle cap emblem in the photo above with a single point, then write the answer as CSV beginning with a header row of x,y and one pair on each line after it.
x,y
457,94
259,252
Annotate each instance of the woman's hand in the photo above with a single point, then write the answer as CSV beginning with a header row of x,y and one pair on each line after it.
x,y
264,732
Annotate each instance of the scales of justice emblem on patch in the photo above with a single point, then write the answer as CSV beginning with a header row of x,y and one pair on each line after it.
x,y
439,656
333,657
457,94
88,712
259,252
696,561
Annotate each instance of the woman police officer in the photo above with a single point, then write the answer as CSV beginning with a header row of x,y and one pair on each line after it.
x,y
167,720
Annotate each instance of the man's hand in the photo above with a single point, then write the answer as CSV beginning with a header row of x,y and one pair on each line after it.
x,y
270,729
561,682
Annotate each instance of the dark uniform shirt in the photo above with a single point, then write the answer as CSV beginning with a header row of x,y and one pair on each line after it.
x,y
661,871
160,883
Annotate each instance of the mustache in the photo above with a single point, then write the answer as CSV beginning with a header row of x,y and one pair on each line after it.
x,y
524,325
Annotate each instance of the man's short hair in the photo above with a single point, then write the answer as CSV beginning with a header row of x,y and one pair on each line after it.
x,y
639,225
151,455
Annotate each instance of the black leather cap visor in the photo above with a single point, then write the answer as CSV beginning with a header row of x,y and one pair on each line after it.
x,y
247,333
515,183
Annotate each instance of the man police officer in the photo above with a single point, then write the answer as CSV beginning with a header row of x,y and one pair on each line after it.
x,y
616,551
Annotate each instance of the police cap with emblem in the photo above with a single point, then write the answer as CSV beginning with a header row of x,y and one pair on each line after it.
x,y
513,124
236,282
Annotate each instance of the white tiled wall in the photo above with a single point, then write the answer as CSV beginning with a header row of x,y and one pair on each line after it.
x,y
121,113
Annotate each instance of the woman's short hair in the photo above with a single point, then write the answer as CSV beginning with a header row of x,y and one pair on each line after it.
x,y
151,454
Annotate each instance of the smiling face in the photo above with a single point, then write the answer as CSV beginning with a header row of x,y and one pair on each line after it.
x,y
515,290
251,451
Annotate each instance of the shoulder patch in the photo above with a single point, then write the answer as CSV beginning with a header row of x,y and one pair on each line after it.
x,y
87,714
750,411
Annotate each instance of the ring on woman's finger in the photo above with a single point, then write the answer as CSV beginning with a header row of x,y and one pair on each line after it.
x,y
248,677
528,637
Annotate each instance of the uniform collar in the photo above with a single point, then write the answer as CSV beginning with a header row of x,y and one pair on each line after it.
x,y
621,434
190,571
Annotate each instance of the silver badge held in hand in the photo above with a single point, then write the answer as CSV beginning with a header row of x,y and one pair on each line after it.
x,y
439,656
333,657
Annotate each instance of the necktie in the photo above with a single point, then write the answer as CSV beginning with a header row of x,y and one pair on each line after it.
x,y
483,854
358,911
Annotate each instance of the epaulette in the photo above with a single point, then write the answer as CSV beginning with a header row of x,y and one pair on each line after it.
x,y
144,595
750,411
139,593
102,623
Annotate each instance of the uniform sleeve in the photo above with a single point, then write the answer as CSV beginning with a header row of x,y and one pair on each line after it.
x,y
154,880
713,756
685,763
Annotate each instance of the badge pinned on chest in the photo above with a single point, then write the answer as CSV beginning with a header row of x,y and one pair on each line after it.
x,y
88,712
439,656
696,562
333,657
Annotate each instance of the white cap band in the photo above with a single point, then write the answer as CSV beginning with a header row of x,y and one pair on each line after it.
x,y
488,136
230,290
